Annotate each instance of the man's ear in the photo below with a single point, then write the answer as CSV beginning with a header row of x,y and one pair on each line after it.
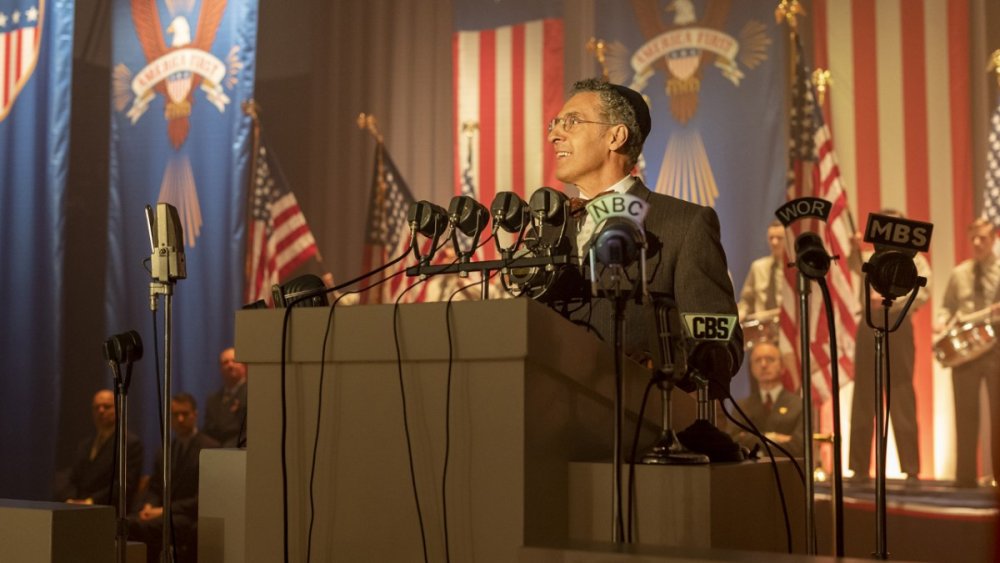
x,y
619,135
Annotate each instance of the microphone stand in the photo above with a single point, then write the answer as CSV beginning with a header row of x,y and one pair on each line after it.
x,y
167,290
121,410
881,375
804,291
165,260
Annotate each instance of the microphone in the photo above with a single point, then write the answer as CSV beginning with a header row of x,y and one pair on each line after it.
x,y
619,238
429,220
124,347
307,290
710,358
468,217
166,238
891,270
509,212
548,206
810,256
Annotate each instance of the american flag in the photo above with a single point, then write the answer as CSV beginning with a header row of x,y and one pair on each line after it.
x,y
991,195
279,239
387,234
899,107
813,171
508,83
20,34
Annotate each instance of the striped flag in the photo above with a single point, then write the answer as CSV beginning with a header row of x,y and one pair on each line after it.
x,y
813,171
991,195
508,83
19,40
279,240
387,234
899,108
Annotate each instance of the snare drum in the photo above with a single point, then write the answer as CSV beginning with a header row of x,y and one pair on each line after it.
x,y
763,327
965,343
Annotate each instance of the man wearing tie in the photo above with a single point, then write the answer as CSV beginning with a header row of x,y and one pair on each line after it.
x,y
974,286
776,412
226,409
598,137
762,288
147,525
89,479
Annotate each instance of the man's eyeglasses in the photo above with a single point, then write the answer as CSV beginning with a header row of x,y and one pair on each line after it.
x,y
571,121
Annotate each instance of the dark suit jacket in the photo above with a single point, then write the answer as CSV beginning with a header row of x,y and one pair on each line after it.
x,y
88,478
223,420
685,263
184,477
785,418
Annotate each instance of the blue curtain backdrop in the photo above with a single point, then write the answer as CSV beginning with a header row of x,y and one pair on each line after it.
x,y
34,134
178,134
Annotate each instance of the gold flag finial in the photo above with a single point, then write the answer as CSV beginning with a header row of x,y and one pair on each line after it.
x,y
994,65
788,11
367,121
598,48
469,128
822,81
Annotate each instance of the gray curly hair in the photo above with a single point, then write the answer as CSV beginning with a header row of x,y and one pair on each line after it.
x,y
615,109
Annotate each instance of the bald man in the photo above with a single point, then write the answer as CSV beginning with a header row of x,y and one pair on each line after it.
x,y
89,478
226,409
775,411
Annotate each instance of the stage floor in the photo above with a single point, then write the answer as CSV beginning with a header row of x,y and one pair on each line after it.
x,y
926,520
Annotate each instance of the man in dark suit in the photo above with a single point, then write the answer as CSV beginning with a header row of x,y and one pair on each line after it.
x,y
147,524
226,409
89,479
775,411
597,138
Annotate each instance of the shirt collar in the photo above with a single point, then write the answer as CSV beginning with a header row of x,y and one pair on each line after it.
x,y
621,186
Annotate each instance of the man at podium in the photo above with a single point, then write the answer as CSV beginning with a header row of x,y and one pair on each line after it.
x,y
597,137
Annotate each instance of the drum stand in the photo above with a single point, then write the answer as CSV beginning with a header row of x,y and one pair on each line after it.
x,y
881,407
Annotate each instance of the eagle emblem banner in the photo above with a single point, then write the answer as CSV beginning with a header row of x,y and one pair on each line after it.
x,y
181,69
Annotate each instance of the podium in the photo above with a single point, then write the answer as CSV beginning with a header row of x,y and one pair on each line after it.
x,y
529,393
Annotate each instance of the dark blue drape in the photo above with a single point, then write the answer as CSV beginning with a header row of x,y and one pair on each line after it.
x,y
34,137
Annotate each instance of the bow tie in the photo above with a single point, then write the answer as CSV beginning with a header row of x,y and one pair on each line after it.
x,y
578,205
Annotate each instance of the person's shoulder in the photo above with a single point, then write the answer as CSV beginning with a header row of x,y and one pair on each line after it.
x,y
764,262
206,441
964,267
679,210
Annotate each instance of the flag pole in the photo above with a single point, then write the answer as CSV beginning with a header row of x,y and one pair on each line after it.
x,y
252,109
368,122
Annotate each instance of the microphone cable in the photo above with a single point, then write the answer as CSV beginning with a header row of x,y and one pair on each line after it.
x,y
283,380
774,464
631,458
447,405
319,406
837,487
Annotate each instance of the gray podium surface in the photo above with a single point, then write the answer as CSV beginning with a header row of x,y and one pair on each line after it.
x,y
222,505
529,391
54,532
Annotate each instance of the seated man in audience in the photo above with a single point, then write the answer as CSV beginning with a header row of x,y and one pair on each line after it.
x,y
775,411
91,479
226,409
147,524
